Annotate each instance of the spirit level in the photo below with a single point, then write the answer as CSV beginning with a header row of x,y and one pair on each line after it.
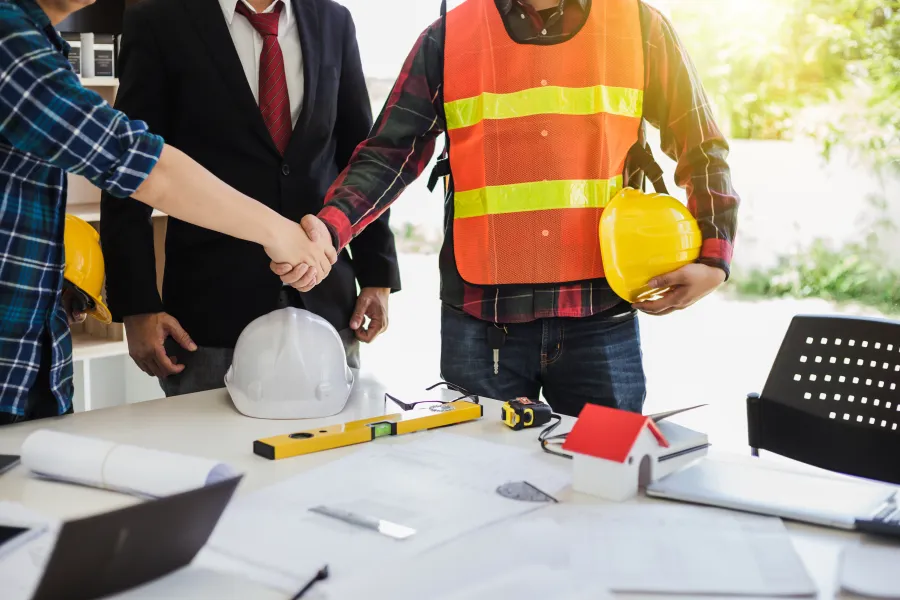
x,y
366,430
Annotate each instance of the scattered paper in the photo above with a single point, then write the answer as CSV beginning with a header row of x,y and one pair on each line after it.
x,y
120,467
441,485
656,548
21,567
627,548
870,570
195,583
523,561
483,466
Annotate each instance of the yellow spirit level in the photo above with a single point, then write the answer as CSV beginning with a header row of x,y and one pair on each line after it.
x,y
366,430
523,413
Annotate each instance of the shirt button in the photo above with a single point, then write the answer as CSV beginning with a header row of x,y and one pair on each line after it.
x,y
543,82
285,170
544,133
522,15
543,32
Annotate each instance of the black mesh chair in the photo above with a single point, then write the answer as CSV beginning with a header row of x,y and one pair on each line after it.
x,y
832,398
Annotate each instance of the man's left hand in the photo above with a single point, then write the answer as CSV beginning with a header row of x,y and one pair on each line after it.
x,y
69,301
372,303
686,286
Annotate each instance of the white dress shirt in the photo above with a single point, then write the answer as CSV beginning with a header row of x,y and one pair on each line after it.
x,y
248,44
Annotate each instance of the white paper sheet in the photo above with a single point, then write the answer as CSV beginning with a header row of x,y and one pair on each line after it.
x,y
483,466
660,548
440,484
640,548
22,566
120,467
872,571
522,561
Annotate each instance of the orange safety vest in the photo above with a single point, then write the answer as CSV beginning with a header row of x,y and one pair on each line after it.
x,y
537,139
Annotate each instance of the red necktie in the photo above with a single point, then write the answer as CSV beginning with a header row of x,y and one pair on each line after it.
x,y
273,91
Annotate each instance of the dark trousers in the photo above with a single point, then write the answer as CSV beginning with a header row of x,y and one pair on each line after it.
x,y
41,402
205,368
571,361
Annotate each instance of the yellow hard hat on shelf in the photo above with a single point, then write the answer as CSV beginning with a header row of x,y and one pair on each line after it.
x,y
646,235
85,268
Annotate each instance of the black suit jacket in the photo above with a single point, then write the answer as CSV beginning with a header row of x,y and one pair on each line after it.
x,y
180,72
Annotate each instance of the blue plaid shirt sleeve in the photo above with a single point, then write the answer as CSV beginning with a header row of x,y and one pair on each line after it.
x,y
47,113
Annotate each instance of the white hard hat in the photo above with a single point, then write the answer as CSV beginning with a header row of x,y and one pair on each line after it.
x,y
289,364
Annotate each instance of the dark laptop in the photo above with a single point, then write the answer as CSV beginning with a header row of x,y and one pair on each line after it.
x,y
109,553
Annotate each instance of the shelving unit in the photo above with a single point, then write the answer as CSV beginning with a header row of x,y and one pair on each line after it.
x,y
100,82
104,373
91,212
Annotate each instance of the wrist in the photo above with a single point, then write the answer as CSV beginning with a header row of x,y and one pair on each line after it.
x,y
379,291
277,229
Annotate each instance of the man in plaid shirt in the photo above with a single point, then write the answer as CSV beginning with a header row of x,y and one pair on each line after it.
x,y
576,342
50,124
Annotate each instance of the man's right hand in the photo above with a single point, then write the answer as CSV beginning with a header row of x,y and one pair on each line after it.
x,y
305,276
146,335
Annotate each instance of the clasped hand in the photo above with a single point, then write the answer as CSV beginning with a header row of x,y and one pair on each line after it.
x,y
303,259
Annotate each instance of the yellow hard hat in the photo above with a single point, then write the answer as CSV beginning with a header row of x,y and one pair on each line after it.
x,y
85,268
643,236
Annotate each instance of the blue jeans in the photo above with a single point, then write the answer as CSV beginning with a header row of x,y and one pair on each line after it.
x,y
571,361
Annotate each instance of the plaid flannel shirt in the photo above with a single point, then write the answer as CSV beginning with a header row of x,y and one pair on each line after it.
x,y
403,139
49,124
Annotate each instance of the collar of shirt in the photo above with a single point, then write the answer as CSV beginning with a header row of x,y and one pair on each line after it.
x,y
561,25
229,7
504,6
42,22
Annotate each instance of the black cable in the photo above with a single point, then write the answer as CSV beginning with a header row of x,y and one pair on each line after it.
x,y
545,437
321,575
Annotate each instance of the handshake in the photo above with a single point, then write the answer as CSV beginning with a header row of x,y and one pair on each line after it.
x,y
302,259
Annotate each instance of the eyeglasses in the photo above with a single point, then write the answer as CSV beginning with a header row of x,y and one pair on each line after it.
x,y
467,396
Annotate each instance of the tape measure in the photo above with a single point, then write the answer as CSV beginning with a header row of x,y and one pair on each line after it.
x,y
523,413
366,430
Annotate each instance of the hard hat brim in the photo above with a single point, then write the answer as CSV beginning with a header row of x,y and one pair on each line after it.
x,y
100,312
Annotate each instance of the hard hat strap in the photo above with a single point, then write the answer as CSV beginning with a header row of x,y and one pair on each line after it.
x,y
639,156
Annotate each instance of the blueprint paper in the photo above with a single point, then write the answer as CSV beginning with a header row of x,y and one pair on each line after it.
x,y
22,566
872,571
441,485
628,548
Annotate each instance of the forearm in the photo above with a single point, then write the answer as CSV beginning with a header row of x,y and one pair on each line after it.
x,y
375,256
676,103
397,151
183,189
713,201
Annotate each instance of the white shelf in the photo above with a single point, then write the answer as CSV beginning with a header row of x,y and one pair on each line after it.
x,y
91,212
88,347
99,81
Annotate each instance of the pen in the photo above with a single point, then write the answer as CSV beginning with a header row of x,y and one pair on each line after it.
x,y
320,576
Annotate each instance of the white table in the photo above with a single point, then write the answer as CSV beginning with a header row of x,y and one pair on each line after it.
x,y
207,425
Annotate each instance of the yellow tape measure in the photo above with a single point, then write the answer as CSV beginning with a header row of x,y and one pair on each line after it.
x,y
523,413
366,430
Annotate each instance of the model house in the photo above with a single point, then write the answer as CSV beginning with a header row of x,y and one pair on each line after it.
x,y
615,452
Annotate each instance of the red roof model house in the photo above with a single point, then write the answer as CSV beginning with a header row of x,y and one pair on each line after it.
x,y
614,452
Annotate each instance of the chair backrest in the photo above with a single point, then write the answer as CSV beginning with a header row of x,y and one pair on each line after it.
x,y
832,398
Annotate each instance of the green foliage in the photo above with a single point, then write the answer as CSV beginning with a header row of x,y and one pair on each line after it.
x,y
853,273
764,63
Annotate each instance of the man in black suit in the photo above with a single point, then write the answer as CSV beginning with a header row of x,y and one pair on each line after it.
x,y
269,95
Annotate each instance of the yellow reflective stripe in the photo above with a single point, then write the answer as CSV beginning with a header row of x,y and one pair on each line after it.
x,y
540,195
545,100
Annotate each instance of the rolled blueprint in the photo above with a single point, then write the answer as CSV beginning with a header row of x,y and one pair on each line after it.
x,y
120,467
